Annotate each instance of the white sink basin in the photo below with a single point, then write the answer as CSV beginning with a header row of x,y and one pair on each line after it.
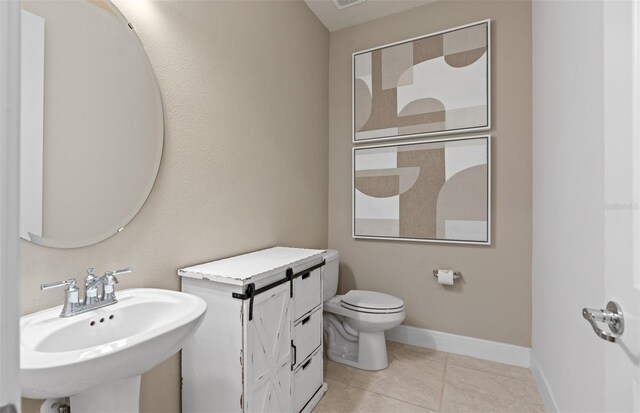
x,y
61,357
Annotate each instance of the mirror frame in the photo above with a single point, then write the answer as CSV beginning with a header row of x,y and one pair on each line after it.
x,y
135,210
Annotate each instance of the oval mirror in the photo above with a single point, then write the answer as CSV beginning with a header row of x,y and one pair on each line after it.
x,y
91,123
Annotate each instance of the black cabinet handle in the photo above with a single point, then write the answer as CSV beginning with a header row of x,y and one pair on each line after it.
x,y
306,320
305,365
295,355
305,275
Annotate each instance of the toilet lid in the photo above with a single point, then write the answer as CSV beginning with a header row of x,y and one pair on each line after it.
x,y
371,301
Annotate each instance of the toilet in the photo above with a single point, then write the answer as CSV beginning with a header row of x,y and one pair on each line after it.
x,y
354,323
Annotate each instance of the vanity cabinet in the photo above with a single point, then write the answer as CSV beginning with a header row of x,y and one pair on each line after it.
x,y
259,348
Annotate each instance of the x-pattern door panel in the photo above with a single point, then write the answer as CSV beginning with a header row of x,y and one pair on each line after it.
x,y
269,344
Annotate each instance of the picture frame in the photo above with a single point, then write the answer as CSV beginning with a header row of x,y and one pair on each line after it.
x,y
394,94
436,190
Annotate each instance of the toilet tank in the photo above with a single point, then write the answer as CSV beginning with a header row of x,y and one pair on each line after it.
x,y
330,281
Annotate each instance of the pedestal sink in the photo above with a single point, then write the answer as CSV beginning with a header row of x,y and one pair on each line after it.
x,y
96,358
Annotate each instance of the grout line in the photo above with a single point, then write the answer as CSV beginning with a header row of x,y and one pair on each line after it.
x,y
506,376
490,372
444,379
350,380
392,398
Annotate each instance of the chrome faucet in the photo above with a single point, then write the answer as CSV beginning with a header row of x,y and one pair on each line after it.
x,y
93,299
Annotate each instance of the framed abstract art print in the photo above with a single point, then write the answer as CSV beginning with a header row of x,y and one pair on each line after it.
x,y
432,191
430,85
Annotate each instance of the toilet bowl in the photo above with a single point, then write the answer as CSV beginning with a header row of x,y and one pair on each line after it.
x,y
354,323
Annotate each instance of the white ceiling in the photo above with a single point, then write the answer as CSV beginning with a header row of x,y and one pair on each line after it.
x,y
335,19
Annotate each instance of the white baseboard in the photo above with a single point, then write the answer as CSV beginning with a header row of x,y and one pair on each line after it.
x,y
467,346
540,380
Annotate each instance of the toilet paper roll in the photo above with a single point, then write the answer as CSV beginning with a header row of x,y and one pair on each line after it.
x,y
445,277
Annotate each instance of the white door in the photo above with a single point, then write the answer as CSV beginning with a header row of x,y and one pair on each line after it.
x,y
9,179
622,190
621,35
269,352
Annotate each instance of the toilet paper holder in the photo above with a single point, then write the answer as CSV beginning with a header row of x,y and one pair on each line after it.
x,y
456,274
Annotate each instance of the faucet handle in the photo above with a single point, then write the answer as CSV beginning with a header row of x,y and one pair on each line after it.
x,y
72,297
69,283
119,272
110,276
110,281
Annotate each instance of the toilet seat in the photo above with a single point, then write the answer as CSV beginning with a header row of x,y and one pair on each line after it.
x,y
371,302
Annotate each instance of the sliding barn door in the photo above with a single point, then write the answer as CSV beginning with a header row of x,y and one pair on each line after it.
x,y
268,385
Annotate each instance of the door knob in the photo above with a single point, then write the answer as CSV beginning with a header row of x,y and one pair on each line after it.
x,y
612,316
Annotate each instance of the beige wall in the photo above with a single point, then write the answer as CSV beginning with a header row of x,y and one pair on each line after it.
x,y
245,90
493,301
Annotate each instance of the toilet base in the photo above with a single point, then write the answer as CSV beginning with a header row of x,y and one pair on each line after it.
x,y
371,352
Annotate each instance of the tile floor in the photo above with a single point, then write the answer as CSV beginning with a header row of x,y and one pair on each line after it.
x,y
424,380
